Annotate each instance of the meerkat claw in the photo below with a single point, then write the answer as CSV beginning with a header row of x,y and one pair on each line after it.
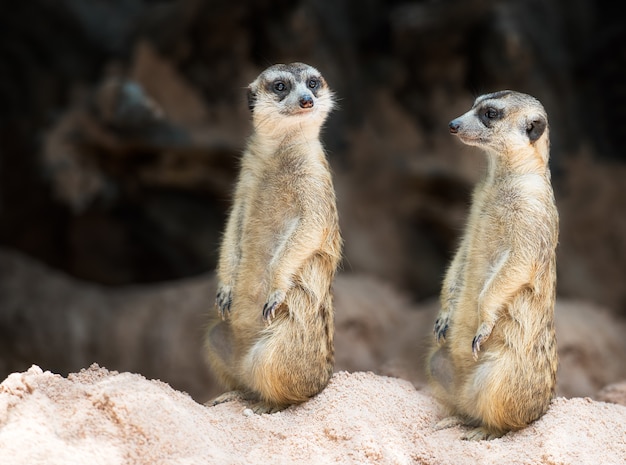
x,y
441,329
476,346
484,331
269,311
223,301
273,302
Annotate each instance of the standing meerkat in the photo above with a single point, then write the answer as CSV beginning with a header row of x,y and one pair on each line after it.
x,y
280,250
494,360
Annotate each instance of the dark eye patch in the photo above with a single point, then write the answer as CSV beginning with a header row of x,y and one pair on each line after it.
x,y
489,114
279,86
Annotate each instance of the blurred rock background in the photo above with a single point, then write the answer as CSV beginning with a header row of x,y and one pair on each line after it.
x,y
121,124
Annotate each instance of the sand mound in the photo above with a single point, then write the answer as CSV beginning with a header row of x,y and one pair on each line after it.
x,y
102,417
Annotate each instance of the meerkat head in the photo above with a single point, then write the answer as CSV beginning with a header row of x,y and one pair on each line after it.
x,y
505,122
289,96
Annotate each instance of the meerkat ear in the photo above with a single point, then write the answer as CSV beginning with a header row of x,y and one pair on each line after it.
x,y
535,127
251,99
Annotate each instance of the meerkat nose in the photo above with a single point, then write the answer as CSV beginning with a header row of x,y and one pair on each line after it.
x,y
454,126
306,101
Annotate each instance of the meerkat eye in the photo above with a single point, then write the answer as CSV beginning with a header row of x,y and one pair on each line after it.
x,y
279,86
313,83
491,113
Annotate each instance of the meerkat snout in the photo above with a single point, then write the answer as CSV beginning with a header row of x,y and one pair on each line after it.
x,y
306,101
454,126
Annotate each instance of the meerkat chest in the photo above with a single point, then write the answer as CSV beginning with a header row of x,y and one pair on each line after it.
x,y
271,205
488,216
492,218
504,204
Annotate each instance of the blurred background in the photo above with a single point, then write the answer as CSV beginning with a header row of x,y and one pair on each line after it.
x,y
121,124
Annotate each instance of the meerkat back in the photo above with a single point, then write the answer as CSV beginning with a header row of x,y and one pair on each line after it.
x,y
493,362
280,250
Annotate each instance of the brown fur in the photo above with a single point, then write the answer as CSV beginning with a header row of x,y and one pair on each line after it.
x,y
280,250
493,364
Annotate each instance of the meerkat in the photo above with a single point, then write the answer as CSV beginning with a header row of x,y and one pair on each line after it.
x,y
280,251
494,358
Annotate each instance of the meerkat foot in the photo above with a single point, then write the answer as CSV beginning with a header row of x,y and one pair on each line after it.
x,y
481,433
441,327
273,302
261,407
448,422
229,396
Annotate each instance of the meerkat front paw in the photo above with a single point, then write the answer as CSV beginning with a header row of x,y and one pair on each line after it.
x,y
484,330
441,326
224,300
273,302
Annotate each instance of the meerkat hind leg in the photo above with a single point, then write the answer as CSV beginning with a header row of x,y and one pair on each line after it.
x,y
219,352
441,369
219,341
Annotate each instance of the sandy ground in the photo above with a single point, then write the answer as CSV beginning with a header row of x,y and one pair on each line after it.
x,y
102,417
